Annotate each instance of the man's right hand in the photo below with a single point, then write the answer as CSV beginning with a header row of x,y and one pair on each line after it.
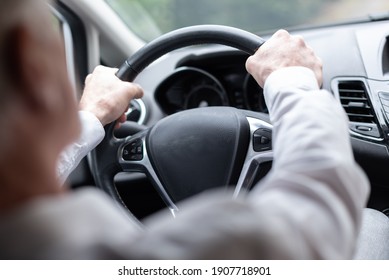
x,y
106,96
280,51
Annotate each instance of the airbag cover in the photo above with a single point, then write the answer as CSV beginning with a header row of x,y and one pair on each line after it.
x,y
199,149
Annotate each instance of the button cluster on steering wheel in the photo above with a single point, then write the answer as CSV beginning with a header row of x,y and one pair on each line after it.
x,y
133,151
262,140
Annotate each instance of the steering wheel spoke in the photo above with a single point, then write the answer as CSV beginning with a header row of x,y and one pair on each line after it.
x,y
133,157
258,153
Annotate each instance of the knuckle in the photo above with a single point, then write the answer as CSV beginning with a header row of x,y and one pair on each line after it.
x,y
88,78
299,41
133,90
282,33
129,87
250,64
98,68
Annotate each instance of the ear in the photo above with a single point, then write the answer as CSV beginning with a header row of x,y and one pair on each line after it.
x,y
25,65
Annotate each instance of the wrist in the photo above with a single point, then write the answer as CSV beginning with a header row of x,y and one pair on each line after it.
x,y
96,113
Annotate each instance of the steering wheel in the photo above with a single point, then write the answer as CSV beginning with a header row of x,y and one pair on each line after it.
x,y
193,150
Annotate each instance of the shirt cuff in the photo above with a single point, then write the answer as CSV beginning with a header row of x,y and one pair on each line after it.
x,y
289,77
92,131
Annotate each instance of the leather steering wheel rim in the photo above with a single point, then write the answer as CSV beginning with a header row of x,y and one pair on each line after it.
x,y
103,159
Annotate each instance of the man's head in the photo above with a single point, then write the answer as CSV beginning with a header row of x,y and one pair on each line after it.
x,y
37,106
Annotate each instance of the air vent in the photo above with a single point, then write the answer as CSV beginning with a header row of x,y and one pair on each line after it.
x,y
353,97
355,101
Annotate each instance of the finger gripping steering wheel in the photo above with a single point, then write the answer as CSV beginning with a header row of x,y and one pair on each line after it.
x,y
194,150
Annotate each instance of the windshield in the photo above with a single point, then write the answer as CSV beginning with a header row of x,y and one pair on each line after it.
x,y
151,18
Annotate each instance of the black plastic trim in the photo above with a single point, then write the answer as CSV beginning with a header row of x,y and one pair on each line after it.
x,y
79,39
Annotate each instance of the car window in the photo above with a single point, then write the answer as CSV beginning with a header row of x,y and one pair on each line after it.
x,y
150,18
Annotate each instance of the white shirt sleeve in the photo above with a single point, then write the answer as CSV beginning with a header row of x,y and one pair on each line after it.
x,y
315,192
92,133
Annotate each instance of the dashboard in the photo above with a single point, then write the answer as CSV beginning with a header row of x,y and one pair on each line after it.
x,y
217,80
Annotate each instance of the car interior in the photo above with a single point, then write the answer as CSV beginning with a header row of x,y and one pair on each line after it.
x,y
209,75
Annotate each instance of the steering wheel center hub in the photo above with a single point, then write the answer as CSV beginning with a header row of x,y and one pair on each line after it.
x,y
196,150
